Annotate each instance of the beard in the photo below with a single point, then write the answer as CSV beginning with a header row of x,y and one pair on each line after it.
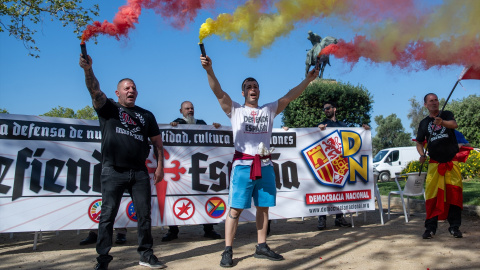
x,y
190,119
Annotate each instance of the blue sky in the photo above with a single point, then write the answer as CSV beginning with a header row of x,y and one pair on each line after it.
x,y
164,62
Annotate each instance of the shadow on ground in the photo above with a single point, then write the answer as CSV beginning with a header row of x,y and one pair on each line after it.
x,y
368,245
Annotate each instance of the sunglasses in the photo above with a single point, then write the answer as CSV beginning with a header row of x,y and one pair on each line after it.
x,y
327,108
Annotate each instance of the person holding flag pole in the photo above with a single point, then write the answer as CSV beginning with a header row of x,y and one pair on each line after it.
x,y
444,189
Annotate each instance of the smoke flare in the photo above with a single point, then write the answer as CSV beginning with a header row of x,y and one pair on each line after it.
x,y
179,12
402,33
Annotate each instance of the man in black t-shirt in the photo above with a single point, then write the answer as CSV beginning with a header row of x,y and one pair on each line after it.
x,y
188,112
330,110
125,131
443,188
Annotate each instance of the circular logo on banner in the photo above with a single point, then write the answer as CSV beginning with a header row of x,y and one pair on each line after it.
x,y
183,208
131,214
215,207
94,210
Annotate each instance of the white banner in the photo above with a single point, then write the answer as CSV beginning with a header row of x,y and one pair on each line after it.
x,y
50,174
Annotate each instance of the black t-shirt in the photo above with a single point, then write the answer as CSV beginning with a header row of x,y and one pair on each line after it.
x,y
443,144
182,121
331,123
124,141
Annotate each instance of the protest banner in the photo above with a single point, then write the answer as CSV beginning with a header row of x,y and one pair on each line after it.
x,y
50,174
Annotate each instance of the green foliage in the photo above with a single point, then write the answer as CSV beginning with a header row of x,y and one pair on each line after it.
x,y
416,113
414,166
386,187
60,112
85,113
2,110
466,112
390,133
469,169
354,104
471,189
22,18
467,115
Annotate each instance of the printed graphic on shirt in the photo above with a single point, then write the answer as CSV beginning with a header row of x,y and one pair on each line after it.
x,y
254,123
127,122
438,132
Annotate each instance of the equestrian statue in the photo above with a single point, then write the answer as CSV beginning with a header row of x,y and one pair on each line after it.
x,y
312,55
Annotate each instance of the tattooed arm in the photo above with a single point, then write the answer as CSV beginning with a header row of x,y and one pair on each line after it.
x,y
98,97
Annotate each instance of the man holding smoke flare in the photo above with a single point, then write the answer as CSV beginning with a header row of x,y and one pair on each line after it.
x,y
125,131
252,170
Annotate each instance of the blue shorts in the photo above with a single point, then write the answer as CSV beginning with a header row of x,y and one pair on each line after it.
x,y
242,188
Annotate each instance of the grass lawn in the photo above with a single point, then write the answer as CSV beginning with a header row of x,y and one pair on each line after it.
x,y
471,190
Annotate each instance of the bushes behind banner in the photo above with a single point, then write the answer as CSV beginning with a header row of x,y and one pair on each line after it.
x,y
469,169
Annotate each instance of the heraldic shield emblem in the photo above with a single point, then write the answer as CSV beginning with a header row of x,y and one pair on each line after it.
x,y
325,159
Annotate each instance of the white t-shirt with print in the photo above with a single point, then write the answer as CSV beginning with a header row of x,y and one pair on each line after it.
x,y
251,126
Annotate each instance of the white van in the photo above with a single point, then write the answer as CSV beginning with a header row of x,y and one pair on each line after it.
x,y
392,160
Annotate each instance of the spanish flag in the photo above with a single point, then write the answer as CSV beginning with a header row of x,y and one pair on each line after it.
x,y
444,186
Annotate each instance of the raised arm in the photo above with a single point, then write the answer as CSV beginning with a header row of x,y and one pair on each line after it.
x,y
158,144
223,98
296,91
98,97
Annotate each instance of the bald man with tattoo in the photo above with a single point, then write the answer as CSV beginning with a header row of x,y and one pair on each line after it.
x,y
125,129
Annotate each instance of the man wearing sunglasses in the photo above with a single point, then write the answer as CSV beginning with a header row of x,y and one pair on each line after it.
x,y
330,109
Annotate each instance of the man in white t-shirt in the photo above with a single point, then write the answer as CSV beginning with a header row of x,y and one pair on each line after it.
x,y
252,170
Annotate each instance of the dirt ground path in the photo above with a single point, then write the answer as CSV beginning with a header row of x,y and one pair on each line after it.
x,y
369,245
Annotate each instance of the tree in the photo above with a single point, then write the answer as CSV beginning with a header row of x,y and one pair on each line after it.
x,y
353,104
2,110
416,114
20,18
85,113
390,133
60,112
467,115
466,111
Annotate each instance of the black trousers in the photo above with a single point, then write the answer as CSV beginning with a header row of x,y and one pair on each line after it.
x,y
114,182
454,219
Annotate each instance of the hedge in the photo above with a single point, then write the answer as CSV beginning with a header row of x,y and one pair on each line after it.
x,y
469,169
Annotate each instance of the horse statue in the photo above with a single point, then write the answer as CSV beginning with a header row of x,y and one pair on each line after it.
x,y
318,44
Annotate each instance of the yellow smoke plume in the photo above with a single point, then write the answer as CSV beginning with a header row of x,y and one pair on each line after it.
x,y
399,30
250,24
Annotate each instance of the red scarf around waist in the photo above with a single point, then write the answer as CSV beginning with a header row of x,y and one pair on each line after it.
x,y
256,167
461,156
443,167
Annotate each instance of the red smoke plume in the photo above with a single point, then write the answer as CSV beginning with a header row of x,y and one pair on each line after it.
x,y
178,11
426,54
